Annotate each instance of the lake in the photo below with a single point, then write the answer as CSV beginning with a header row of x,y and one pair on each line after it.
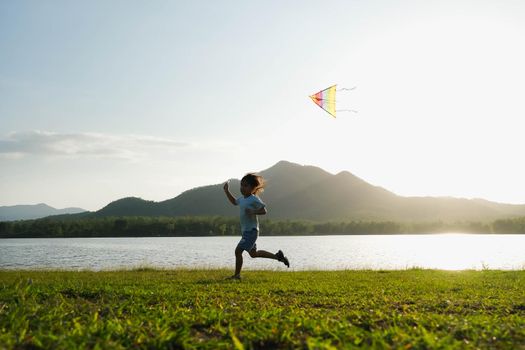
x,y
442,251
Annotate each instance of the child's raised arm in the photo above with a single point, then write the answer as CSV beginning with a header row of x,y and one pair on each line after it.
x,y
226,188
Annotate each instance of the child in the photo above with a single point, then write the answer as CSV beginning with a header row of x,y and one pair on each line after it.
x,y
250,206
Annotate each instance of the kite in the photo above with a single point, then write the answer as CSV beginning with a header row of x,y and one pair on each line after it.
x,y
326,100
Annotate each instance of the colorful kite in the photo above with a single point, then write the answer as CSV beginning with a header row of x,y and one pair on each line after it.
x,y
326,100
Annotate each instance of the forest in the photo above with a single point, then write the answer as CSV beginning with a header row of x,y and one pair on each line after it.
x,y
138,226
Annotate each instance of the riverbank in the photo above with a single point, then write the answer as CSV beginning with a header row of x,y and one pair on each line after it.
x,y
267,309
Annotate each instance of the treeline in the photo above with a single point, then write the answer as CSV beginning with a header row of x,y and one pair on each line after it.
x,y
226,226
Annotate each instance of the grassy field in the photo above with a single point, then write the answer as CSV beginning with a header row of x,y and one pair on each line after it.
x,y
412,309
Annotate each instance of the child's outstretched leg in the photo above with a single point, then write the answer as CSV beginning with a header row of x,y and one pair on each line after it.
x,y
254,253
280,256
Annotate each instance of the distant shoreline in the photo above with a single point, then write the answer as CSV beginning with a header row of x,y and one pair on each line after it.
x,y
197,226
283,235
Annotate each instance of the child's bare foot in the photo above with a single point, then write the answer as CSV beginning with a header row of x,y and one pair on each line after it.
x,y
280,256
234,277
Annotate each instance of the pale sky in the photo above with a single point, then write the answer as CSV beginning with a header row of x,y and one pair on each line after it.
x,y
101,100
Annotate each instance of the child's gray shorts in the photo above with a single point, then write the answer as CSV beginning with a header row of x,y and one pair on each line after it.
x,y
248,239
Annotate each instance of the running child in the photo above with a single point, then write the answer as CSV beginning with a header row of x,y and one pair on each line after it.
x,y
250,206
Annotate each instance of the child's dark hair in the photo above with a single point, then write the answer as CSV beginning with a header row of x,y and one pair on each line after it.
x,y
255,181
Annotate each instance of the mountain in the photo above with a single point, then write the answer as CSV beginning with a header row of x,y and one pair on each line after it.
x,y
27,212
295,191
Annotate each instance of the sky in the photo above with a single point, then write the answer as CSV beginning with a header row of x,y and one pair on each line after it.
x,y
101,100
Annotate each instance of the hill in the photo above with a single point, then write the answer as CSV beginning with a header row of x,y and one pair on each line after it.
x,y
27,212
310,193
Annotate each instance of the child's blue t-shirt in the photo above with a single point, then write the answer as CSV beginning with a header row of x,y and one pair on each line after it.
x,y
249,222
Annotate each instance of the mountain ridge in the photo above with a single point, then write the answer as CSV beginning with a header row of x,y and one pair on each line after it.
x,y
33,211
308,192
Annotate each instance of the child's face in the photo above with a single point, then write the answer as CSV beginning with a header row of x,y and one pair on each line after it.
x,y
246,189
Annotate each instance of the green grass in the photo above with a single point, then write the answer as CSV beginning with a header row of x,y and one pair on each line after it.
x,y
412,309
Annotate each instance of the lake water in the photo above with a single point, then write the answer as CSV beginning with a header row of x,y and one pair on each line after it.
x,y
444,251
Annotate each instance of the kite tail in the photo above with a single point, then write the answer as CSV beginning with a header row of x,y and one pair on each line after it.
x,y
346,89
